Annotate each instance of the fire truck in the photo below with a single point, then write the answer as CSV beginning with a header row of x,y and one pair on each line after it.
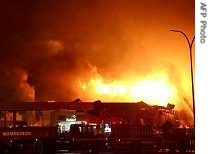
x,y
86,138
86,134
14,139
139,127
17,134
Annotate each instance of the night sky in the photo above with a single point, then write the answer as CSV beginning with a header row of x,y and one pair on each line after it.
x,y
47,48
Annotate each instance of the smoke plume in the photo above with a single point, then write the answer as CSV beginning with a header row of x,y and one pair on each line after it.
x,y
50,46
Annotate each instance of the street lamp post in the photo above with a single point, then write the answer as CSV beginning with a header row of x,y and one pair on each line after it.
x,y
191,66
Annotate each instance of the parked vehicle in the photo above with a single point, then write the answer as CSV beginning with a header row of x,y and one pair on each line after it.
x,y
132,138
15,139
86,138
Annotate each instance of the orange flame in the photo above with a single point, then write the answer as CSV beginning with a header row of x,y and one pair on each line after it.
x,y
154,90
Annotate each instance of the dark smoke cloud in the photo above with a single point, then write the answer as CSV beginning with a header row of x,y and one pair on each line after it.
x,y
55,43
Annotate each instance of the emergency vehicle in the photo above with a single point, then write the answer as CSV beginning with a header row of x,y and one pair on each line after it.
x,y
139,127
23,126
91,126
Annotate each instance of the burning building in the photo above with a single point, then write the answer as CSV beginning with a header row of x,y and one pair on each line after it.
x,y
115,51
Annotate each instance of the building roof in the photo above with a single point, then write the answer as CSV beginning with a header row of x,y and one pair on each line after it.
x,y
36,106
124,107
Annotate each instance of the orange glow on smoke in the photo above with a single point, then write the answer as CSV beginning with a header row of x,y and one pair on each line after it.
x,y
154,90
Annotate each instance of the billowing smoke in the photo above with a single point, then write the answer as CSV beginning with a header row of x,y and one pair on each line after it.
x,y
14,84
50,46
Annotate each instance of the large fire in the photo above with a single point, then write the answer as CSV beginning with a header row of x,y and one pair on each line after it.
x,y
155,90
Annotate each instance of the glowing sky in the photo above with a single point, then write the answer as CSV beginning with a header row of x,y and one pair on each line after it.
x,y
59,47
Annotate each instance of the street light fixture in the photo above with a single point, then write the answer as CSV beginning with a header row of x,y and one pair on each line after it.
x,y
191,66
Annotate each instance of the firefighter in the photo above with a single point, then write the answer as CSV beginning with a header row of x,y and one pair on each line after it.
x,y
166,127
